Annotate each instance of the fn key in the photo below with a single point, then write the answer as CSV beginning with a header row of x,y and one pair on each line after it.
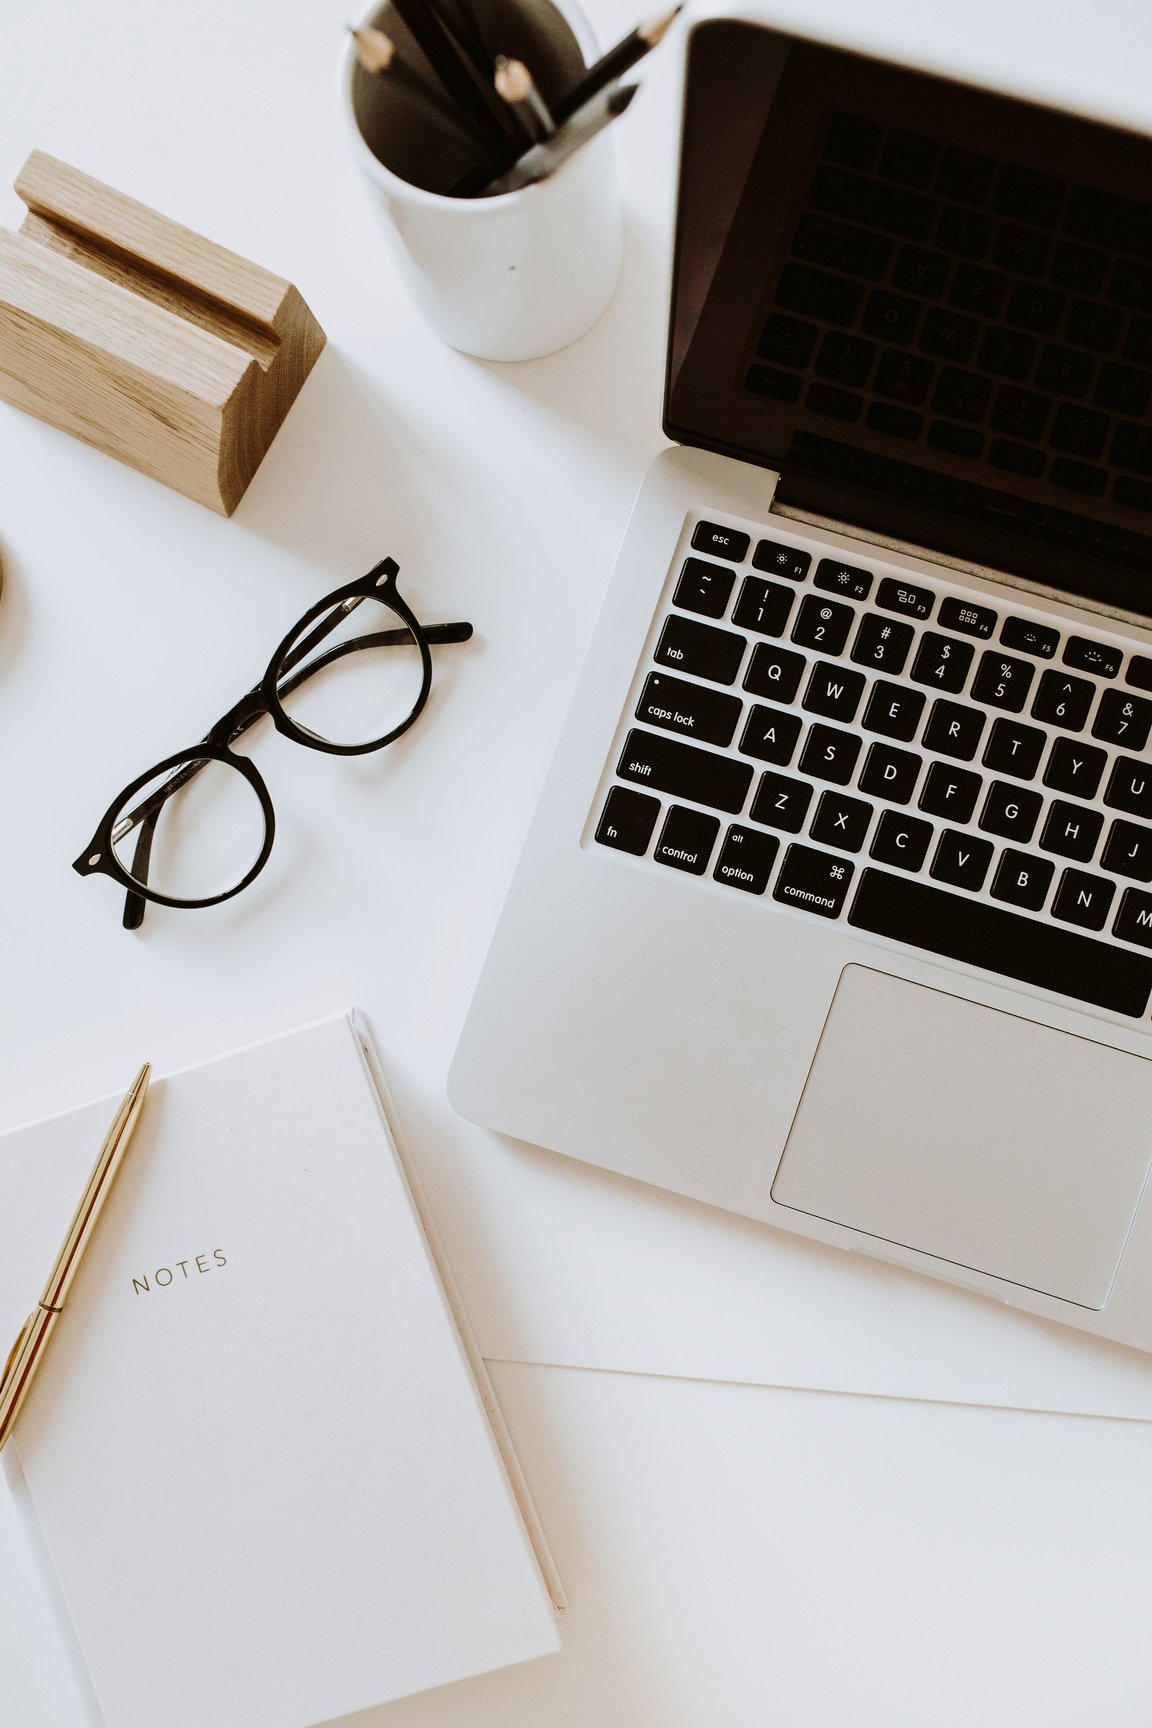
x,y
628,820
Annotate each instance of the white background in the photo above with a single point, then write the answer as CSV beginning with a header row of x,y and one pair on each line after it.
x,y
735,1555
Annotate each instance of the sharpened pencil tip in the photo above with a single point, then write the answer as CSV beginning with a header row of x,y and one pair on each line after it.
x,y
374,50
513,80
656,28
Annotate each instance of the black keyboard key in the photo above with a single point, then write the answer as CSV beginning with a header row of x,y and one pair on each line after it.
x,y
901,840
684,771
1007,353
1016,458
895,422
904,377
1021,250
908,157
836,403
841,821
693,710
950,792
1020,413
1065,371
893,712
1035,307
1071,831
1122,389
837,192
1028,196
961,860
686,840
1088,656
890,773
953,730
1074,767
1082,899
965,615
781,803
1139,673
965,175
700,649
1028,637
975,289
1133,494
628,820
1134,919
835,577
774,672
1011,811
823,624
1109,220
829,755
815,881
1122,719
1138,342
1002,942
770,734
1002,682
1091,325
852,250
1080,431
964,232
898,596
1062,700
852,140
1022,880
704,588
962,395
763,607
787,341
1128,851
777,386
830,299
1132,447
1014,749
746,859
890,317
1081,268
882,643
919,272
1130,787
834,692
1131,285
963,441
942,662
845,359
1078,477
722,542
948,335
781,560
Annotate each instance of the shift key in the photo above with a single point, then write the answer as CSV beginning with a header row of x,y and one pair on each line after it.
x,y
683,771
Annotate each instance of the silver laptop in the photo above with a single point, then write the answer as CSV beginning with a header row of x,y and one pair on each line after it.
x,y
836,908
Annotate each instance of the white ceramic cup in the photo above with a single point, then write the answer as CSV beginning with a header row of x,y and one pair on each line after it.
x,y
504,278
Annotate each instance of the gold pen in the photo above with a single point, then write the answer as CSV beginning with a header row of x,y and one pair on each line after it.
x,y
28,1351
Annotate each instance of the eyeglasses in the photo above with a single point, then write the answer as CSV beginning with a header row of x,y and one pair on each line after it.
x,y
352,676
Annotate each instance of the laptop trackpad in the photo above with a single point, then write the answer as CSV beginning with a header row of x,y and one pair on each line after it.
x,y
973,1135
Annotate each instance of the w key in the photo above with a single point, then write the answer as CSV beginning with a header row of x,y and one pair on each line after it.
x,y
833,691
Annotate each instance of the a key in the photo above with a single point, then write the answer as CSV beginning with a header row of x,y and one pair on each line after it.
x,y
770,734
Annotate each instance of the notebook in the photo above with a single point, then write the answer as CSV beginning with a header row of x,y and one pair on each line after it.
x,y
836,907
264,1465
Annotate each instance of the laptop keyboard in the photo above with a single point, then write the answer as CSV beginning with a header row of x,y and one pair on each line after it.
x,y
924,764
941,298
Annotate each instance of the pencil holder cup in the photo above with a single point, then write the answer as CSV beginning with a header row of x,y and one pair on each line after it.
x,y
508,277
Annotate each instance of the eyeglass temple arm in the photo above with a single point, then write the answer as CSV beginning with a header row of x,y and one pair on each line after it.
x,y
244,714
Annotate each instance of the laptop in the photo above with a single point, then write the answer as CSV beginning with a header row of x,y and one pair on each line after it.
x,y
836,907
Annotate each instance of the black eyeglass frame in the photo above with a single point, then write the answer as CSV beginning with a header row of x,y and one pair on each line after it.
x,y
265,698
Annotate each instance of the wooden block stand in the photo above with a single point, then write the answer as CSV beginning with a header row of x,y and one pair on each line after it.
x,y
144,339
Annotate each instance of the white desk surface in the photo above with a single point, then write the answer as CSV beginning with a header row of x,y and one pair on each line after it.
x,y
734,1554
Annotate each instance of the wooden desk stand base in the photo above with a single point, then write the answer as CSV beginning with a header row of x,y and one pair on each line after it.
x,y
144,339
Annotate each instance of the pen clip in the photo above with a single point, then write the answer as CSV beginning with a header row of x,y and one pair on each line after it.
x,y
14,1353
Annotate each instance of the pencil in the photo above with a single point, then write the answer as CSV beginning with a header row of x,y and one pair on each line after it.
x,y
464,81
544,158
617,61
376,53
515,84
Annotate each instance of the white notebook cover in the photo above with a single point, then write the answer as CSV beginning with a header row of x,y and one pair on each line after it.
x,y
257,1450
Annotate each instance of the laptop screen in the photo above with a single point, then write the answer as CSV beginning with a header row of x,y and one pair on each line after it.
x,y
927,305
